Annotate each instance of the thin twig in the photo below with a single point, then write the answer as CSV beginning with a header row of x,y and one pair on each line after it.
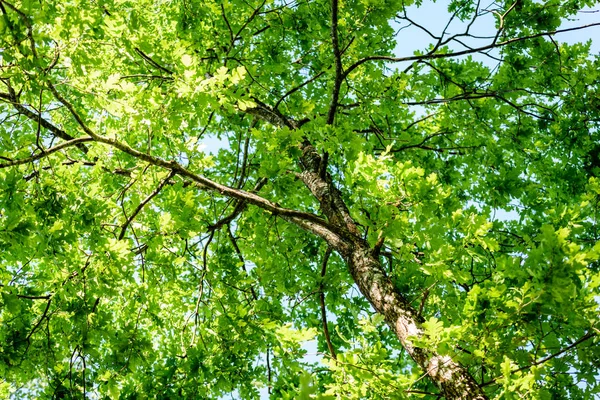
x,y
239,207
143,203
339,77
150,61
464,52
295,89
13,99
585,337
46,153
233,241
322,302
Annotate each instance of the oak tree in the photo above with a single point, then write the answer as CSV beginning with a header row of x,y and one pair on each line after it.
x,y
195,193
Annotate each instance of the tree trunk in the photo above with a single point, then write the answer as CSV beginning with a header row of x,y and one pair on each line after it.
x,y
454,381
343,235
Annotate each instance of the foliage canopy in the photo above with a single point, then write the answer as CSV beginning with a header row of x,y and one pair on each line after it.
x,y
428,220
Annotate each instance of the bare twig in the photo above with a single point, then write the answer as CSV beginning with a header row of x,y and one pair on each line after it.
x,y
13,99
39,322
150,61
584,338
295,89
233,241
231,38
43,297
239,207
147,76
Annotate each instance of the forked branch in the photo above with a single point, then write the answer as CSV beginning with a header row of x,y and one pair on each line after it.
x,y
493,45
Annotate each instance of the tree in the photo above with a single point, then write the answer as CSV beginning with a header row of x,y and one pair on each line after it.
x,y
430,220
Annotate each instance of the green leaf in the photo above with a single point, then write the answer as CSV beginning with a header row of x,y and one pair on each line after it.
x,y
11,302
114,391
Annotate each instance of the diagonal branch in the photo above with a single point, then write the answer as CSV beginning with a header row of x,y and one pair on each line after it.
x,y
239,207
25,20
142,204
233,241
38,323
296,88
231,39
502,17
306,220
13,99
322,302
150,61
369,275
46,153
341,233
582,339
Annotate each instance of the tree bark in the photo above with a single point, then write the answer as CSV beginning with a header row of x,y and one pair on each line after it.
x,y
453,380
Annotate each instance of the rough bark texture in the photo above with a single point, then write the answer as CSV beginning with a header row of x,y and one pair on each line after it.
x,y
454,381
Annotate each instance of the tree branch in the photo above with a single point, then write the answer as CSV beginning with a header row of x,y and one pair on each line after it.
x,y
463,52
322,302
142,204
39,322
584,338
240,257
150,61
44,297
295,89
26,21
13,99
368,273
306,220
339,77
239,207
341,233
46,153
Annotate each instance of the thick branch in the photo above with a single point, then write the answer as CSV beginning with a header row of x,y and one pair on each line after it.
x,y
454,381
341,233
321,186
